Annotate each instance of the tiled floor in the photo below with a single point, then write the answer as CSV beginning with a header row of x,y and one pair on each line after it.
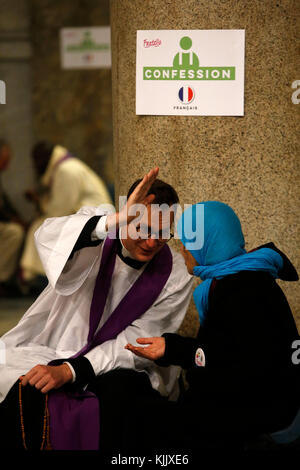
x,y
11,310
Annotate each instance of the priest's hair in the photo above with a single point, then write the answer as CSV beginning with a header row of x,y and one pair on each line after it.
x,y
164,192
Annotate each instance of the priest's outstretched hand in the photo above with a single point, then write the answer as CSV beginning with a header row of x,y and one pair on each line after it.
x,y
45,378
154,351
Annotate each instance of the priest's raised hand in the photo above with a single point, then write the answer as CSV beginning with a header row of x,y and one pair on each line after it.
x,y
139,197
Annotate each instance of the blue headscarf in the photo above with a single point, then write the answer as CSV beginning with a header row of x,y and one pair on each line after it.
x,y
212,233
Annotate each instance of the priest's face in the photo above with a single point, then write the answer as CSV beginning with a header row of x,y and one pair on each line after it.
x,y
147,234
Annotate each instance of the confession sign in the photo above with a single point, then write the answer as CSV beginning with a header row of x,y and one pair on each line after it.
x,y
190,72
85,48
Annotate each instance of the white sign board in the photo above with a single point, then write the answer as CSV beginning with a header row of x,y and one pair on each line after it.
x,y
190,72
2,92
85,48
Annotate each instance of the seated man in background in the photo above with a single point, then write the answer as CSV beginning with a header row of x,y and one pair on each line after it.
x,y
111,280
11,232
66,184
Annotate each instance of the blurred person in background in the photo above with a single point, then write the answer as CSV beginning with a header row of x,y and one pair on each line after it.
x,y
12,231
65,185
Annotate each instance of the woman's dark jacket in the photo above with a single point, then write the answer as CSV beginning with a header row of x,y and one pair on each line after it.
x,y
247,339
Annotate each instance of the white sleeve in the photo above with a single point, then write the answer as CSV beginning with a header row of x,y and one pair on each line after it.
x,y
72,370
166,315
56,237
100,231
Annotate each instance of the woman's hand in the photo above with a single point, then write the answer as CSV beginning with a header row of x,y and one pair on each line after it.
x,y
154,351
45,378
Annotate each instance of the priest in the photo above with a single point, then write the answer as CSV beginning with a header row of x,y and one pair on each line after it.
x,y
112,278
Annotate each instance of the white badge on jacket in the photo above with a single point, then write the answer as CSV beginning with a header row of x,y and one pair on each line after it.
x,y
200,358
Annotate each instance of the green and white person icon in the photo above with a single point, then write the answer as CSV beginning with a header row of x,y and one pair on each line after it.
x,y
186,60
87,41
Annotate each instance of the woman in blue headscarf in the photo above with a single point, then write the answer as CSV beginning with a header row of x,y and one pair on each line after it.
x,y
242,378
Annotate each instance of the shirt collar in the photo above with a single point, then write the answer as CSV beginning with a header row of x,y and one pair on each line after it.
x,y
125,252
126,257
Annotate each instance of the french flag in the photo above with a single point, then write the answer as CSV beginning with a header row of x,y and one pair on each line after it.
x,y
186,94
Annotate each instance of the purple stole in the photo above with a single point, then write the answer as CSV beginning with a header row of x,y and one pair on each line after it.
x,y
74,416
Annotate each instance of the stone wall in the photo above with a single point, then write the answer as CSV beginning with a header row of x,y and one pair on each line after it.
x,y
16,114
72,107
251,162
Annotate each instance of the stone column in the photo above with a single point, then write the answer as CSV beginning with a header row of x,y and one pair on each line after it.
x,y
252,162
16,113
71,106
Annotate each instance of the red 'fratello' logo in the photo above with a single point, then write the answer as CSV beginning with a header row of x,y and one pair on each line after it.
x,y
154,42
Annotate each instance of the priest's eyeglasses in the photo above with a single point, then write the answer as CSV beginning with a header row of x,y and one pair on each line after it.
x,y
162,236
